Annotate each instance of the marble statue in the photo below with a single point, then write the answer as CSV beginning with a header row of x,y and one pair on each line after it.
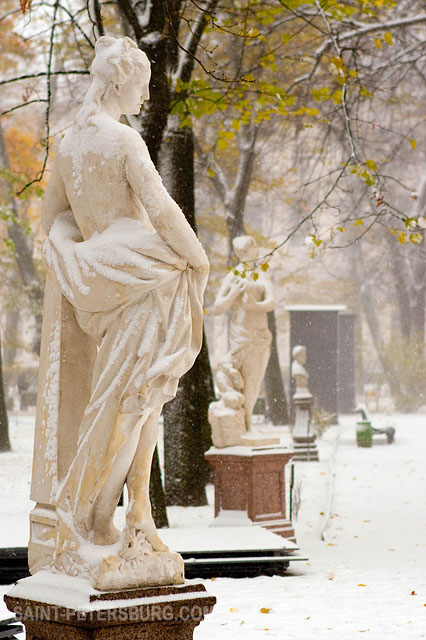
x,y
122,323
298,371
240,372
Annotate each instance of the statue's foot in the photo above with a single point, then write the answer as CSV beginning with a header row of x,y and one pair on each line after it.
x,y
156,542
146,532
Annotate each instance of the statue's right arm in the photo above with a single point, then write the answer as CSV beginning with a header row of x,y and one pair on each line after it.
x,y
55,200
228,293
166,216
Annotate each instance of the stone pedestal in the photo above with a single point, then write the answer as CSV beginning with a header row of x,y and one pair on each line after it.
x,y
158,613
249,487
303,433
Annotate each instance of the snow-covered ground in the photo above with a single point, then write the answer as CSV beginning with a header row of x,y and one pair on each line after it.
x,y
368,576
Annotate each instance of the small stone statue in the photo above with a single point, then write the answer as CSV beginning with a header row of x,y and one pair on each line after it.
x,y
298,371
240,372
122,323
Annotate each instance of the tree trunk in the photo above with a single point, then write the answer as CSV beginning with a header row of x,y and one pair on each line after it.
x,y
11,338
4,423
399,271
276,401
186,426
367,302
418,276
156,494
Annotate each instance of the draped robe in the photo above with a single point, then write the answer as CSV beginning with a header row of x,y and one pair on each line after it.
x,y
122,299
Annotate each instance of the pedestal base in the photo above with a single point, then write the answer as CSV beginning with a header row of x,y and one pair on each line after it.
x,y
250,487
158,613
305,448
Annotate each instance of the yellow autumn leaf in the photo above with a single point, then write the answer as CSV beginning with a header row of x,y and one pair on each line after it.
x,y
361,585
264,266
358,222
388,38
378,43
371,165
401,237
413,143
265,610
416,238
233,609
255,276
342,229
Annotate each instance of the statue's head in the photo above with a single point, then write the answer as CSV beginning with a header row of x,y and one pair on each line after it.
x,y
119,69
299,353
245,248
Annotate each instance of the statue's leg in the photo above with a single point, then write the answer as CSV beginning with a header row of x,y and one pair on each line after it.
x,y
253,367
139,516
103,530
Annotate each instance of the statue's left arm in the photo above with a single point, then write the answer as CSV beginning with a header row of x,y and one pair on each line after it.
x,y
55,200
166,216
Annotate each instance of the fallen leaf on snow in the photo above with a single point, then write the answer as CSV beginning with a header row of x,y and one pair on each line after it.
x,y
413,593
265,610
232,609
361,585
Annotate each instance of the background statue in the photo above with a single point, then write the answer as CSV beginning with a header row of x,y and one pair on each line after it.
x,y
122,324
298,371
241,371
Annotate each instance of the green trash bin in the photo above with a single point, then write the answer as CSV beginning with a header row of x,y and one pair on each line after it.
x,y
364,434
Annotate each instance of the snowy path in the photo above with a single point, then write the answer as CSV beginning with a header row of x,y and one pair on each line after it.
x,y
358,581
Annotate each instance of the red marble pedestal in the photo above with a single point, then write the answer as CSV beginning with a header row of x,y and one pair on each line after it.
x,y
157,613
250,482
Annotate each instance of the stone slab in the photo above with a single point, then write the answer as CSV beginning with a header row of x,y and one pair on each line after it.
x,y
157,613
